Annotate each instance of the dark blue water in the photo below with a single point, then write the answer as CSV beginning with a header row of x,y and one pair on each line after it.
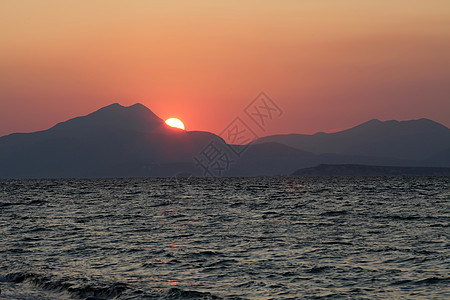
x,y
251,238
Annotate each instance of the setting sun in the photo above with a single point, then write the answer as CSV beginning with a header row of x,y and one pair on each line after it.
x,y
174,122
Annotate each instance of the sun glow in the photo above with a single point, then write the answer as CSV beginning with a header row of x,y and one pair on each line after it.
x,y
174,122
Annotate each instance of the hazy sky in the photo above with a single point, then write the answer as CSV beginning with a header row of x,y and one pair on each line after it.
x,y
329,64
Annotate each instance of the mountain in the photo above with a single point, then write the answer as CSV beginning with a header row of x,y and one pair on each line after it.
x,y
269,159
272,159
112,141
364,170
441,158
407,140
119,141
114,117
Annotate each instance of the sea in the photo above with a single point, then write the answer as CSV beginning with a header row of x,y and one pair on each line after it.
x,y
226,238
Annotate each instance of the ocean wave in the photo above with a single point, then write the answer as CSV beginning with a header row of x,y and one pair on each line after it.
x,y
176,293
6,204
434,280
426,281
319,269
334,213
78,291
98,291
32,202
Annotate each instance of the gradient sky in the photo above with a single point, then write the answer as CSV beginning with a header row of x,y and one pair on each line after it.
x,y
329,64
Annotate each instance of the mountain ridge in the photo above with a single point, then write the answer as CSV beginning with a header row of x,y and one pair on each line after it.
x,y
130,141
411,139
107,142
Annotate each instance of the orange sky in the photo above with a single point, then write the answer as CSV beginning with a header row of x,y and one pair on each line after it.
x,y
328,64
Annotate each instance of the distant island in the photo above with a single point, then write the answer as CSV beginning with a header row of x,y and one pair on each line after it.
x,y
365,170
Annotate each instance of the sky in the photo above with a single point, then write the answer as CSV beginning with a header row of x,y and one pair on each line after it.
x,y
327,64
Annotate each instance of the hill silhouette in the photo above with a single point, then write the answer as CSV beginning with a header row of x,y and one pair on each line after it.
x,y
137,118
119,141
406,140
112,141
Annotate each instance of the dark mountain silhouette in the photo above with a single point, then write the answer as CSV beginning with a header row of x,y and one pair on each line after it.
x,y
118,141
137,118
441,158
364,170
113,141
268,159
406,140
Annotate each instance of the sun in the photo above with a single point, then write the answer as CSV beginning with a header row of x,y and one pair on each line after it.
x,y
174,122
